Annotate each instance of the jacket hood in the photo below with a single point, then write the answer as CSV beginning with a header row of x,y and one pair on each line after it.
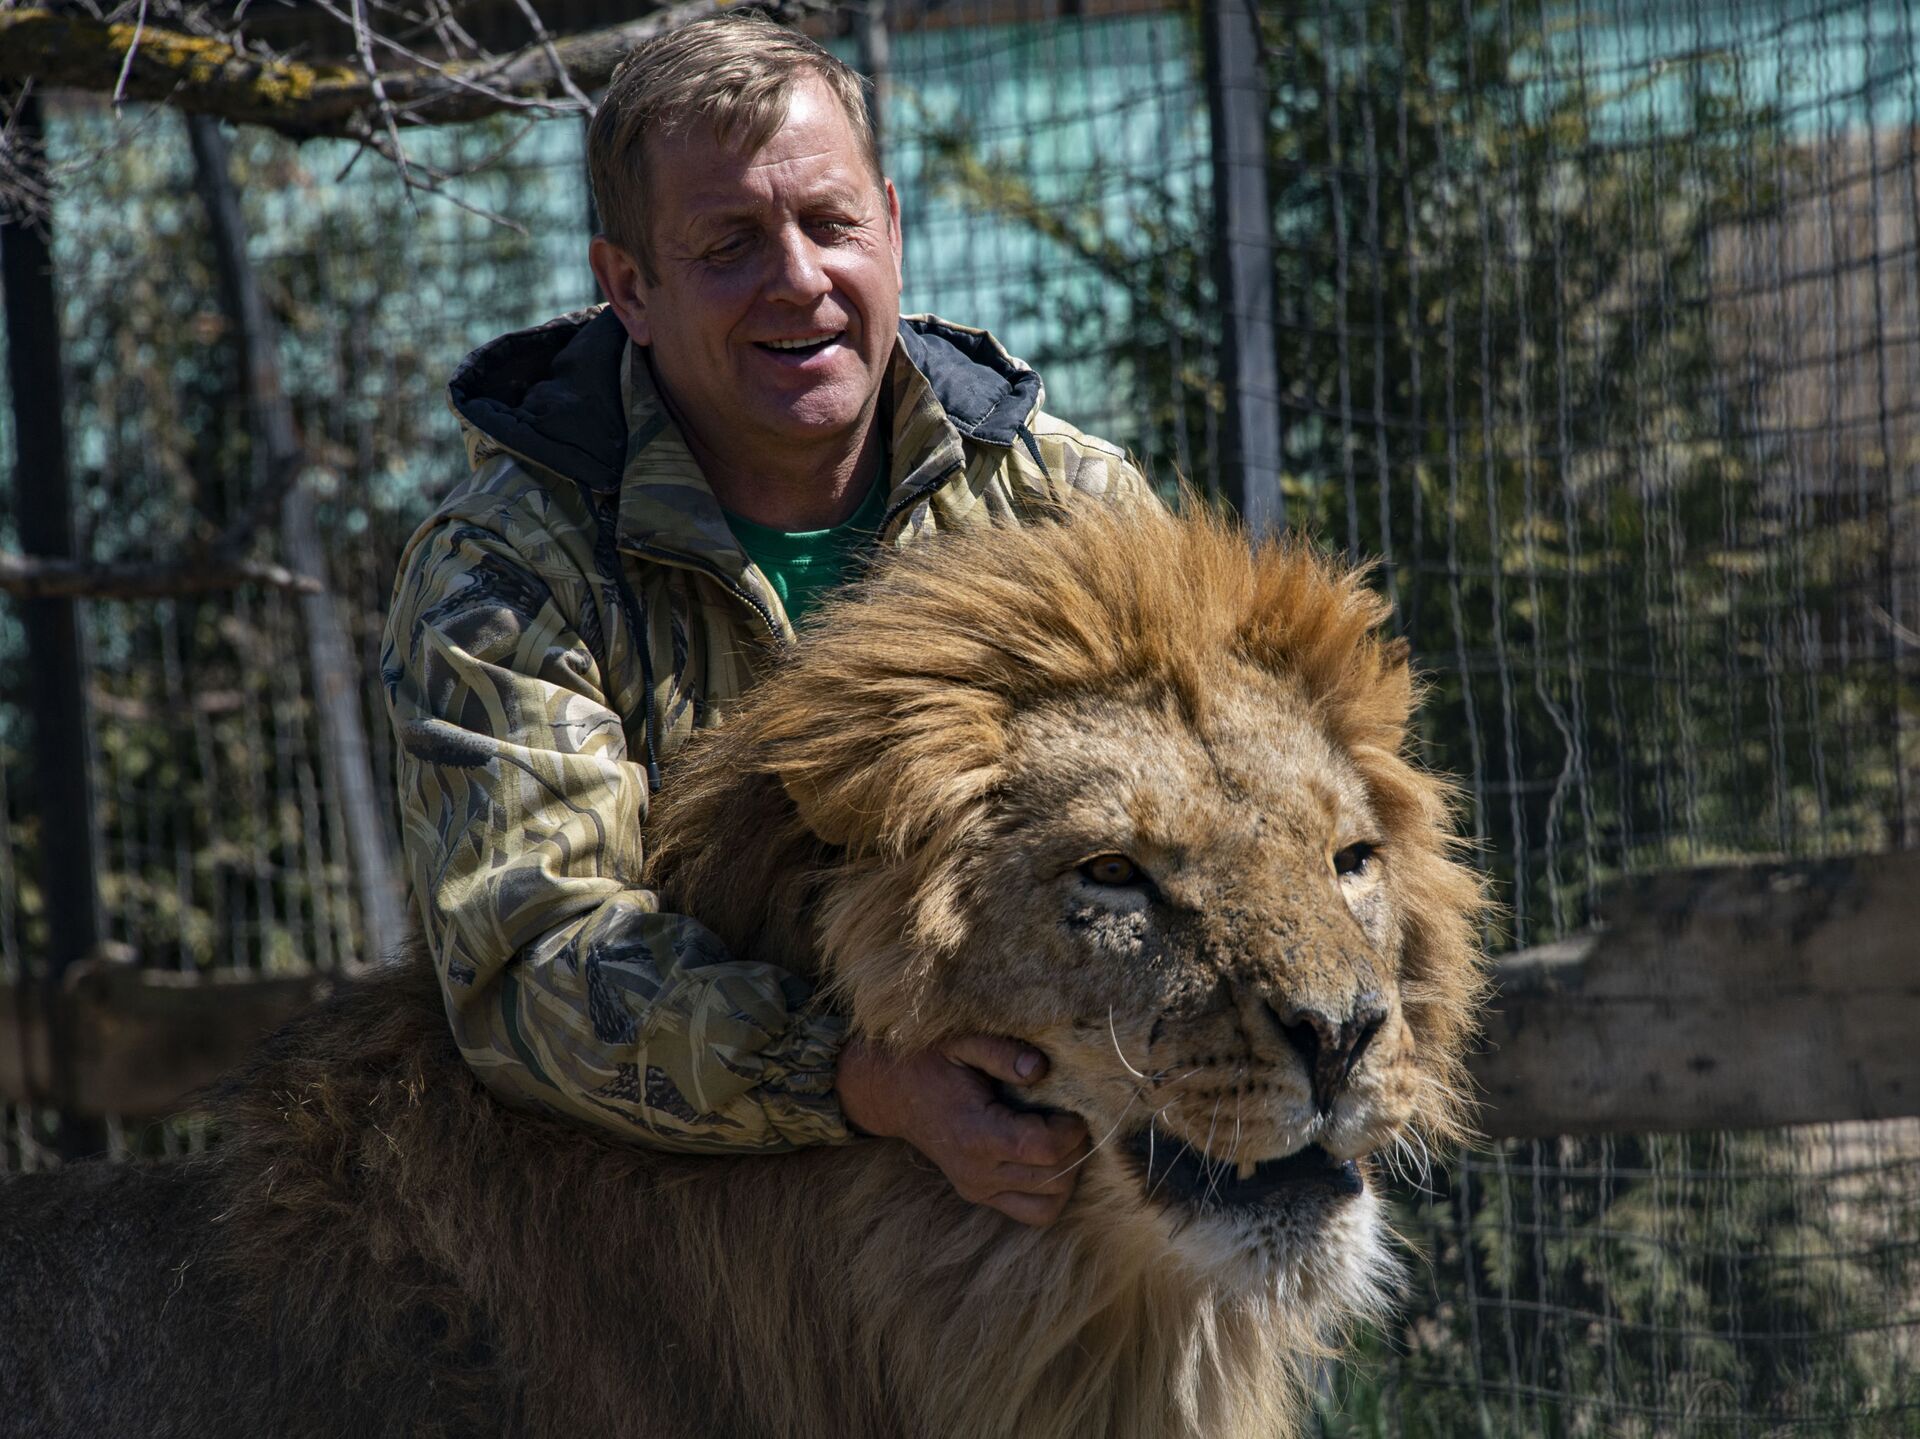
x,y
551,394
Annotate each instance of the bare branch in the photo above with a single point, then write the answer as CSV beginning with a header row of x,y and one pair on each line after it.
x,y
437,180
545,42
204,74
364,48
33,577
1892,626
25,193
469,77
332,665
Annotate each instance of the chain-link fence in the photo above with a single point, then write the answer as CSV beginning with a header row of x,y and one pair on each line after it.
x,y
1595,321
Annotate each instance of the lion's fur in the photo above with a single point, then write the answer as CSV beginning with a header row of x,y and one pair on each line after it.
x,y
405,1256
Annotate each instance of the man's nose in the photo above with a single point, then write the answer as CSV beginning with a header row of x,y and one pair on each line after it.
x,y
798,277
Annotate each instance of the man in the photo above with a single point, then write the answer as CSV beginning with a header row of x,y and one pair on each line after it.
x,y
658,488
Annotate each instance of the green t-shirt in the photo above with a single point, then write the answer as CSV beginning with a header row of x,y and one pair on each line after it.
x,y
802,565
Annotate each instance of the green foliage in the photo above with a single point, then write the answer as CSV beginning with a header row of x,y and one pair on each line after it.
x,y
1678,1284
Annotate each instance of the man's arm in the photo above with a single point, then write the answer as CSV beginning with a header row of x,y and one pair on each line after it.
x,y
567,986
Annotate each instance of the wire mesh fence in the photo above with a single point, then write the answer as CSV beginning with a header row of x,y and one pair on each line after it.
x,y
1711,1284
1596,322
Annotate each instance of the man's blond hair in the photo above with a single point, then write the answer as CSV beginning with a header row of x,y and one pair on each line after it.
x,y
733,75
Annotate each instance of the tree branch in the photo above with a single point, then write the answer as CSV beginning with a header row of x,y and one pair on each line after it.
x,y
207,75
32,577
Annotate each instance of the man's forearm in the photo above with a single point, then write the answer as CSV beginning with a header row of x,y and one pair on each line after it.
x,y
636,1022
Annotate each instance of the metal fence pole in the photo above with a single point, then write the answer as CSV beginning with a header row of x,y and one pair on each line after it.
x,y
56,666
876,63
1243,254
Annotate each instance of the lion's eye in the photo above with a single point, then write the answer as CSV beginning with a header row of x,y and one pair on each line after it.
x,y
1113,869
1353,859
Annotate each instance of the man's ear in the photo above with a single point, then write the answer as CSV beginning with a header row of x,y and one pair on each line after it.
x,y
624,284
893,229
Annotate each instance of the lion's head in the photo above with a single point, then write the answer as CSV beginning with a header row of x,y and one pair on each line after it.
x,y
1121,787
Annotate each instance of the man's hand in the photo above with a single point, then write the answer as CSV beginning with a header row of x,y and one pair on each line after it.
x,y
941,1102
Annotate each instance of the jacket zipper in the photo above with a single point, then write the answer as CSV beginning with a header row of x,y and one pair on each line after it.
x,y
740,591
725,581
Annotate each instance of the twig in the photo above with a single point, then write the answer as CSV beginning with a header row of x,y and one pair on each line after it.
x,y
364,47
1892,626
553,56
474,82
133,46
26,191
445,18
435,184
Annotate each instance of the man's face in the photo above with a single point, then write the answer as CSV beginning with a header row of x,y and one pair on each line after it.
x,y
776,293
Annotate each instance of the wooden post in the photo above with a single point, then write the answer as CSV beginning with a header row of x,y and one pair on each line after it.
x,y
56,665
331,662
1243,255
1737,997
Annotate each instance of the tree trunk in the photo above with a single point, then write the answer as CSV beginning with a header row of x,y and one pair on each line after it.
x,y
56,664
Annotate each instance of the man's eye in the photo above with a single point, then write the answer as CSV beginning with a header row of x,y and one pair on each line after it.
x,y
1353,859
1111,869
731,248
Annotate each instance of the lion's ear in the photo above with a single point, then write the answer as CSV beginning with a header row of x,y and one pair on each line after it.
x,y
893,803
1396,654
831,822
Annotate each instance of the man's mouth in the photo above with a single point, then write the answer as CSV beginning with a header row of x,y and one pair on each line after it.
x,y
1185,1178
801,346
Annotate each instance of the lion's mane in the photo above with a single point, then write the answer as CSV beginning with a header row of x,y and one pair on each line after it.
x,y
422,1261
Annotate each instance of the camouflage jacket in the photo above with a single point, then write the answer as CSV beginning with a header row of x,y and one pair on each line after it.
x,y
568,616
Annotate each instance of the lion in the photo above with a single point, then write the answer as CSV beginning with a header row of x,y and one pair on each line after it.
x,y
1112,783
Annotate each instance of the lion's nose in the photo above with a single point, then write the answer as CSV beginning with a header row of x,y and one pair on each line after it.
x,y
1331,1047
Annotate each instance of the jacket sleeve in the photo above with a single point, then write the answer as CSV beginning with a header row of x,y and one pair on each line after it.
x,y
568,988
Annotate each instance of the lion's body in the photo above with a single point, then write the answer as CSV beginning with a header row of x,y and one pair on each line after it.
x,y
413,1254
378,1247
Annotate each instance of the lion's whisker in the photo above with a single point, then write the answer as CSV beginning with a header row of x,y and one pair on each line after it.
x,y
1416,1137
1154,1187
1118,1053
1160,1080
1410,1160
1206,1152
1395,1158
1095,1147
